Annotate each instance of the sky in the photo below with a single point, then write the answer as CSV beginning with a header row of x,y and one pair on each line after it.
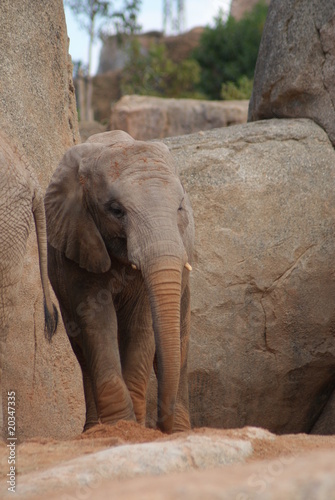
x,y
198,13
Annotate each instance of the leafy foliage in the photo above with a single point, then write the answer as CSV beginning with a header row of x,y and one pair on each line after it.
x,y
157,75
125,20
89,12
240,90
229,50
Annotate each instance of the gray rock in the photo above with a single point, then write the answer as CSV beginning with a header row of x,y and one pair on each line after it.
x,y
147,118
263,318
295,70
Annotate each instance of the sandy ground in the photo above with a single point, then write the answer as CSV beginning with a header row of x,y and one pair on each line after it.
x,y
38,454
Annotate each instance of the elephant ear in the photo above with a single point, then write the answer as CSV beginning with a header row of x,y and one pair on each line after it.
x,y
70,226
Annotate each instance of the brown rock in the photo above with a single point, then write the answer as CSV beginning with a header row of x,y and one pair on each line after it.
x,y
325,424
180,47
262,346
106,91
294,76
114,54
87,129
146,117
38,113
240,7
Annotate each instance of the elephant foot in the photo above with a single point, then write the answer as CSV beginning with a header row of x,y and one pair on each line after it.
x,y
114,402
90,425
139,405
181,420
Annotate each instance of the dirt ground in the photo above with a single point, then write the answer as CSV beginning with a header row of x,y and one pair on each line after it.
x,y
38,454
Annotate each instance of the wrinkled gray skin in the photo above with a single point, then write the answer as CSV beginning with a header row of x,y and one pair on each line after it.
x,y
20,197
114,204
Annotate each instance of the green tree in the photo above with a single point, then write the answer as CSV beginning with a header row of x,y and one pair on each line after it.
x,y
125,20
228,51
157,75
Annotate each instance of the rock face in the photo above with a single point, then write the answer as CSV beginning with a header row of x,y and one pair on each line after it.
x,y
263,285
114,55
86,129
240,7
147,118
295,70
38,113
106,91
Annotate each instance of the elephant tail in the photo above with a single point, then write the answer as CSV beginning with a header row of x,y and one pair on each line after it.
x,y
51,321
50,310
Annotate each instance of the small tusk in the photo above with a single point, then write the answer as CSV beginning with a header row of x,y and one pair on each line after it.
x,y
188,266
134,266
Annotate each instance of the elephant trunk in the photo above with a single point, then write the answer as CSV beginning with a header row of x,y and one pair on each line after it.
x,y
163,281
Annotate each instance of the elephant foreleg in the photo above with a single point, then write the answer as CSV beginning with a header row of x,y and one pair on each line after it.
x,y
137,348
100,350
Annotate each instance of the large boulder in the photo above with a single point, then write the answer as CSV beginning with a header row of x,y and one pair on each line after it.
x,y
38,113
146,117
263,285
295,70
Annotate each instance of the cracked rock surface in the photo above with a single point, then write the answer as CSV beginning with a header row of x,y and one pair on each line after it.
x,y
295,70
263,285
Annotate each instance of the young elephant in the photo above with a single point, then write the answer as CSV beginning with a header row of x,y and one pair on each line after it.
x,y
120,236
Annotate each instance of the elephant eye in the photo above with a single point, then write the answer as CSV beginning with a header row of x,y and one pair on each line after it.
x,y
181,206
116,210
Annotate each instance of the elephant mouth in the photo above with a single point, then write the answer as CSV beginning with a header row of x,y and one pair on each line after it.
x,y
187,266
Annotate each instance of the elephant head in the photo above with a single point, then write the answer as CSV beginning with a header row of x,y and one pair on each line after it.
x,y
117,199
